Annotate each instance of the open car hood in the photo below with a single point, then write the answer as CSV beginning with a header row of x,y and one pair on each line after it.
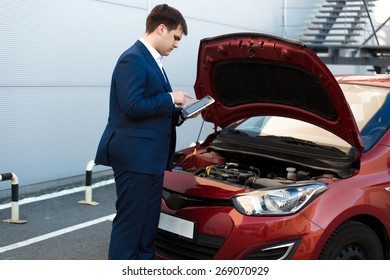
x,y
251,74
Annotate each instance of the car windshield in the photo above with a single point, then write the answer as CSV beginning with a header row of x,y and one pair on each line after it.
x,y
370,106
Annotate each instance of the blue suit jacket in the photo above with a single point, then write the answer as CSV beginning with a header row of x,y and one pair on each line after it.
x,y
140,135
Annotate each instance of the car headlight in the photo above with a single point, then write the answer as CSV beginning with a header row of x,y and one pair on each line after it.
x,y
281,201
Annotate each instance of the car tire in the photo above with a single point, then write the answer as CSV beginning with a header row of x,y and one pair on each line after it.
x,y
352,241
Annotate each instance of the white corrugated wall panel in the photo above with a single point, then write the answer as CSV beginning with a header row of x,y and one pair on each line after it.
x,y
56,60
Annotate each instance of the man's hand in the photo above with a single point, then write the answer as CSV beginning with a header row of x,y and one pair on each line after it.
x,y
179,97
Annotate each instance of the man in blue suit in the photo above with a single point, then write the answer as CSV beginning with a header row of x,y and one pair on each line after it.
x,y
140,137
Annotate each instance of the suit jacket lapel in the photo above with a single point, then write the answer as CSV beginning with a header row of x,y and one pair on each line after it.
x,y
149,58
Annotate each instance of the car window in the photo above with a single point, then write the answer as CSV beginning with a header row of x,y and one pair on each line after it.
x,y
286,127
370,106
365,102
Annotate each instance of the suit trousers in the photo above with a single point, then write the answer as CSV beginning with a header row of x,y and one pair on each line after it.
x,y
138,208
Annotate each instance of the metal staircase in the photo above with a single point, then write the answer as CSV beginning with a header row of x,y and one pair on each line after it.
x,y
338,22
336,30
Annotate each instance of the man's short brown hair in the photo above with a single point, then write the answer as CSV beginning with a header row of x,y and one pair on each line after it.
x,y
169,16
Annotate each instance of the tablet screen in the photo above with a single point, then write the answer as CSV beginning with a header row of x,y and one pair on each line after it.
x,y
197,106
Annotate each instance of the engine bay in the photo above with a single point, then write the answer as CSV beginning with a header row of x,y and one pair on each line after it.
x,y
249,171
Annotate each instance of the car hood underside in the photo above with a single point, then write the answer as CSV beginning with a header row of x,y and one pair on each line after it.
x,y
252,74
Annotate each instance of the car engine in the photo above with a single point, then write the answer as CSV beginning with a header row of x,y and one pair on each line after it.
x,y
265,173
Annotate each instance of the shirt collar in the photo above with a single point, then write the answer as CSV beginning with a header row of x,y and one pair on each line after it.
x,y
158,57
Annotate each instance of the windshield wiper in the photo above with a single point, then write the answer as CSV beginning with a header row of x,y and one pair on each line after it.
x,y
301,142
238,132
297,141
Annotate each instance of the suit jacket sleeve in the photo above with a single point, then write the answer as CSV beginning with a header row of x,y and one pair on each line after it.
x,y
131,78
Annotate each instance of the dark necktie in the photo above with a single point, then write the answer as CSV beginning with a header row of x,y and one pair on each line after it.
x,y
165,75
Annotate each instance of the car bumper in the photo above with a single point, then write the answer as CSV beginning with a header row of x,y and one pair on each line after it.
x,y
223,233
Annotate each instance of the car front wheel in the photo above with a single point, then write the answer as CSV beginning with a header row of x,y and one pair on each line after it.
x,y
352,241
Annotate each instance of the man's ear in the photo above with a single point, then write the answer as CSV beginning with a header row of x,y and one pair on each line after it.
x,y
160,28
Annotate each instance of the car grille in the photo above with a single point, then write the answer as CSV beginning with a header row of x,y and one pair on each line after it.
x,y
204,247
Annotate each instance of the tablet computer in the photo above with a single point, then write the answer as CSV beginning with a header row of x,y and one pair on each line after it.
x,y
197,106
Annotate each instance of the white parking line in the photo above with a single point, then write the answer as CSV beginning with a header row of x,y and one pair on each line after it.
x,y
57,194
61,231
56,233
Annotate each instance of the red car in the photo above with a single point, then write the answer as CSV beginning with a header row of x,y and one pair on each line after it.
x,y
298,166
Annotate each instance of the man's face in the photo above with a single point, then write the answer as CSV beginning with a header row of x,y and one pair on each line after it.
x,y
168,40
